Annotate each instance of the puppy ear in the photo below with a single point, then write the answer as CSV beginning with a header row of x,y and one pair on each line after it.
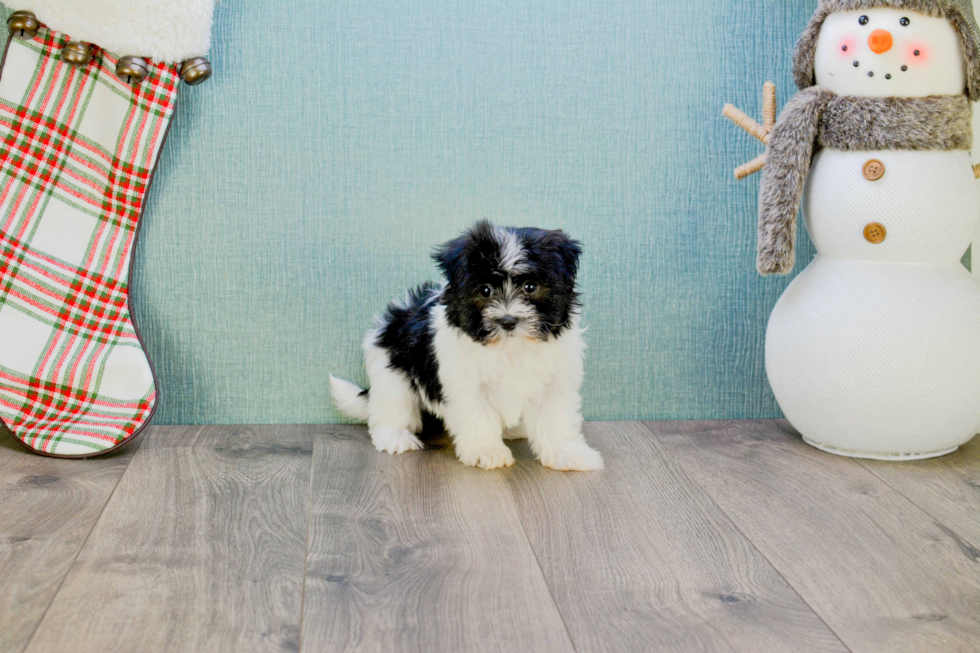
x,y
452,257
569,250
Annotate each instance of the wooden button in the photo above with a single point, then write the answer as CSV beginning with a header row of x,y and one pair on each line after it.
x,y
875,233
874,170
23,24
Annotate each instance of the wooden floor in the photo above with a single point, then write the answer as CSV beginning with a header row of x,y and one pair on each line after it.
x,y
700,536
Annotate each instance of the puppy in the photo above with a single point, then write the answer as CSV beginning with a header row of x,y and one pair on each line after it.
x,y
495,348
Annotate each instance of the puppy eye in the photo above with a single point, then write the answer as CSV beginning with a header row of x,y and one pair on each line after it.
x,y
530,287
864,20
905,22
486,291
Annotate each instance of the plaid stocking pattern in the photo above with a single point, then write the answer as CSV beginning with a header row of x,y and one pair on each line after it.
x,y
77,151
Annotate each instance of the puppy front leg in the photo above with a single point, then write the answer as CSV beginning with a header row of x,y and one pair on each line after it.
x,y
554,430
478,436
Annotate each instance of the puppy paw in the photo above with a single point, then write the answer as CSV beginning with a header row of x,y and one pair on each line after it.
x,y
575,456
394,441
493,457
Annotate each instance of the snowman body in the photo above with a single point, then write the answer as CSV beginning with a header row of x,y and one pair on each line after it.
x,y
874,349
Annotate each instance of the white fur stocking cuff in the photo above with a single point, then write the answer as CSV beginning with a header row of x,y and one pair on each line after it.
x,y
168,31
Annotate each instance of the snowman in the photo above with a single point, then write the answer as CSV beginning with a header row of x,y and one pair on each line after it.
x,y
874,349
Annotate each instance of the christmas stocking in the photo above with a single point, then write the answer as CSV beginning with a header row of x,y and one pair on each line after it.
x,y
81,129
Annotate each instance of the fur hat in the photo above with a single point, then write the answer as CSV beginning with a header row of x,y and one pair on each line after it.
x,y
957,12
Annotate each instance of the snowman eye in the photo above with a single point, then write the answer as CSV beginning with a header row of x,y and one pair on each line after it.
x,y
905,22
864,20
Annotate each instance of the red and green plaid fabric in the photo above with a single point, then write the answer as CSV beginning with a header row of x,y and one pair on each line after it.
x,y
77,150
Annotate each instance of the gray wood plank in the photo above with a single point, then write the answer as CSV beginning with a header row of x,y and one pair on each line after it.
x,y
879,571
947,488
201,548
418,553
639,558
47,509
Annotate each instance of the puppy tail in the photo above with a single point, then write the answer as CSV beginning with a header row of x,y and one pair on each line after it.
x,y
350,399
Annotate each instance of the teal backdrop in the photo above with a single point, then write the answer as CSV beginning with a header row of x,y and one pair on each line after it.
x,y
338,142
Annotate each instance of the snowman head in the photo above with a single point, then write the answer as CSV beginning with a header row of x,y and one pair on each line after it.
x,y
891,48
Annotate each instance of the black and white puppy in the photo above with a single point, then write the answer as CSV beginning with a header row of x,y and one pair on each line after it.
x,y
495,351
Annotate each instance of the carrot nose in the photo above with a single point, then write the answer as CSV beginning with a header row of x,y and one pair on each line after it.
x,y
881,41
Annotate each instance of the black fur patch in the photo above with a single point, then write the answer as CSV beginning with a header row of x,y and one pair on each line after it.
x,y
553,257
407,337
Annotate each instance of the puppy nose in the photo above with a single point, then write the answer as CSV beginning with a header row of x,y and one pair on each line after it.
x,y
881,41
508,322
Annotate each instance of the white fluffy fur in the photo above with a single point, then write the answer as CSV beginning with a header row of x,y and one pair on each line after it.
x,y
518,387
163,30
348,399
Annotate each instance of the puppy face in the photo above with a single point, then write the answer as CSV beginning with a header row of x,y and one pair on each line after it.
x,y
509,283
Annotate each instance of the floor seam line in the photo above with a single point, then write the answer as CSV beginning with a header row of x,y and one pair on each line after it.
x,y
861,464
916,505
537,561
306,558
85,541
750,542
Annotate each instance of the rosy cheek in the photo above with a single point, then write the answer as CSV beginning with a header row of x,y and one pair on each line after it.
x,y
917,54
847,47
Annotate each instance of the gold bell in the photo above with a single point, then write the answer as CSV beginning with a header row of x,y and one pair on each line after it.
x,y
196,70
76,53
23,24
132,70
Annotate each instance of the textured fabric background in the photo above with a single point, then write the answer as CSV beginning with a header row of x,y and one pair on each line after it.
x,y
306,183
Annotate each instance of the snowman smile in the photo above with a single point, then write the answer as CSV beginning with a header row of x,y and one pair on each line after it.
x,y
871,73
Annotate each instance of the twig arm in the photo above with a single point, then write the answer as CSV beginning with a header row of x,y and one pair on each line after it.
x,y
760,132
976,171
750,168
746,123
769,106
